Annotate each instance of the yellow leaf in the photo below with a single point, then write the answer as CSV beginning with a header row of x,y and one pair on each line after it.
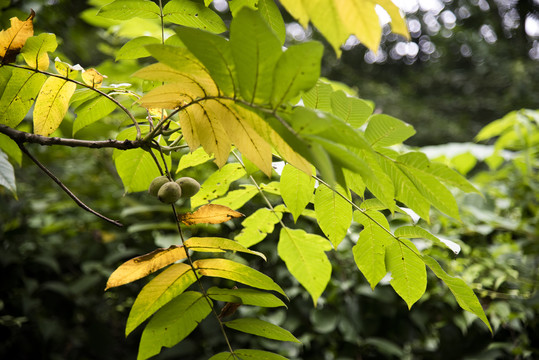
x,y
211,133
187,124
267,133
51,105
67,70
93,78
242,135
13,39
338,19
209,214
143,265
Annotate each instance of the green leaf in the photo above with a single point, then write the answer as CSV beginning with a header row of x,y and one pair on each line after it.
x,y
415,232
247,354
257,226
261,328
256,50
377,180
216,244
92,111
136,167
7,174
408,273
464,295
406,191
215,53
298,69
270,12
497,127
217,184
237,198
36,48
296,189
384,130
351,110
319,97
451,177
52,104
306,260
19,94
192,14
411,165
246,296
173,323
370,249
333,213
234,271
135,48
160,290
128,9
10,147
197,157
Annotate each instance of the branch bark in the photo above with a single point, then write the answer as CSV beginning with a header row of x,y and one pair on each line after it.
x,y
24,137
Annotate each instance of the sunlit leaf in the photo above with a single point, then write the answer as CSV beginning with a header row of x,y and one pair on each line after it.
x,y
296,189
370,249
128,9
337,20
192,14
384,130
172,323
242,135
305,258
11,149
256,50
144,265
51,105
257,226
216,244
13,39
92,111
271,14
19,95
235,199
36,48
415,232
351,110
209,214
298,69
217,183
246,296
135,48
408,272
334,214
93,78
261,328
197,157
160,290
234,271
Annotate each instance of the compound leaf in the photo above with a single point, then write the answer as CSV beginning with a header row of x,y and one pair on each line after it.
x,y
261,328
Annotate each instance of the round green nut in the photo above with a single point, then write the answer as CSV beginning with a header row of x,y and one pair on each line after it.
x,y
189,186
169,192
156,184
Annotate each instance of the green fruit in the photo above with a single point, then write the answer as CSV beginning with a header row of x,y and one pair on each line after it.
x,y
189,186
156,184
169,192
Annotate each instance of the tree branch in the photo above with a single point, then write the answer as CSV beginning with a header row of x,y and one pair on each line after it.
x,y
24,137
63,187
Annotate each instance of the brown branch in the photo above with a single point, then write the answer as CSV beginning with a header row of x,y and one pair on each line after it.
x,y
24,137
63,187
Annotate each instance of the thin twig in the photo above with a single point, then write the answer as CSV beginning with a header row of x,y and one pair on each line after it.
x,y
63,187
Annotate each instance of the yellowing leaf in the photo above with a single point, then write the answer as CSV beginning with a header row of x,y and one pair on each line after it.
x,y
93,78
242,135
338,19
144,265
209,214
13,39
36,48
51,105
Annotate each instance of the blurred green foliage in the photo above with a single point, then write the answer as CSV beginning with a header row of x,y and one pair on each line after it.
x,y
55,258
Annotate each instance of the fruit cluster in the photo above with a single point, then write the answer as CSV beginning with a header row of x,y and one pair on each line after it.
x,y
169,192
